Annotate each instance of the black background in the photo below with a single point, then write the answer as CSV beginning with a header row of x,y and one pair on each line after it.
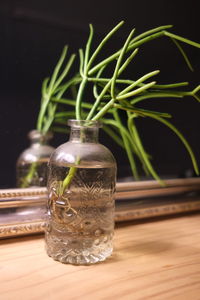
x,y
33,34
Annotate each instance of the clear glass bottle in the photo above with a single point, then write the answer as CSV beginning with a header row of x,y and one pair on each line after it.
x,y
81,187
31,169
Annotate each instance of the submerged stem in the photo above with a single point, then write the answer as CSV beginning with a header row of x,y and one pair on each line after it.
x,y
66,182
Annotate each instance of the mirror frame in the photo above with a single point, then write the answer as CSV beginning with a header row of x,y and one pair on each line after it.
x,y
134,201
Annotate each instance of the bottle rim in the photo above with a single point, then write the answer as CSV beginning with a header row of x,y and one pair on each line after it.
x,y
36,134
84,123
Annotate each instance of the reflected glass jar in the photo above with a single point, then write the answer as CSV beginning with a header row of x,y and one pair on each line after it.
x,y
81,187
31,169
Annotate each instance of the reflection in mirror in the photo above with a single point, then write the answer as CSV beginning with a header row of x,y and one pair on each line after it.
x,y
32,40
32,162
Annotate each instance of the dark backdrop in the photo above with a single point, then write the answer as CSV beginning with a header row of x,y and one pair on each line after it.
x,y
33,34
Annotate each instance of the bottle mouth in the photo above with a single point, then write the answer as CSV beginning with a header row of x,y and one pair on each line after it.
x,y
37,135
84,123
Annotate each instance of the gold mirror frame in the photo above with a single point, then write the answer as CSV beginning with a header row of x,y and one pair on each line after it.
x,y
22,211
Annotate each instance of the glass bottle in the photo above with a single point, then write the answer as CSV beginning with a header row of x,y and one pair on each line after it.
x,y
81,186
31,169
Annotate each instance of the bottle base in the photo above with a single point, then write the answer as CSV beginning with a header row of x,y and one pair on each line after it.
x,y
77,252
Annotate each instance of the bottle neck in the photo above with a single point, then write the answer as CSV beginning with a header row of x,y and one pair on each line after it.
x,y
37,138
84,131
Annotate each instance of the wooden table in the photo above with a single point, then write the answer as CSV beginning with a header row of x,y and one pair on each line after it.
x,y
152,260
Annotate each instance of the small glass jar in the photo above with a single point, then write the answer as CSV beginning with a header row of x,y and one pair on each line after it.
x,y
81,187
31,169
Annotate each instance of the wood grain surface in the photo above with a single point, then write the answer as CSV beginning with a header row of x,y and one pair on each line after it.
x,y
153,260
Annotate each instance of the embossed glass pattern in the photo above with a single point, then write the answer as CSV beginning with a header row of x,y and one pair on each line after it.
x,y
81,219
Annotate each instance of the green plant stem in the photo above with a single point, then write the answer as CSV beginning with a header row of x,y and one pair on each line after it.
x,y
26,181
107,37
113,135
182,39
155,95
119,61
141,112
144,157
50,87
79,98
183,54
128,82
137,82
97,102
72,102
56,70
137,43
137,91
182,138
116,54
104,110
87,50
127,146
110,82
48,109
66,182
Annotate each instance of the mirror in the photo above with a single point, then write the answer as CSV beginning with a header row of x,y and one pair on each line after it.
x,y
33,34
22,211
